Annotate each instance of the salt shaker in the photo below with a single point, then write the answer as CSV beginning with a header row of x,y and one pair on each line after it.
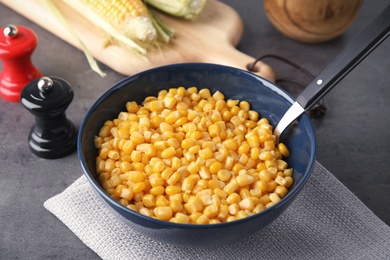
x,y
17,44
53,135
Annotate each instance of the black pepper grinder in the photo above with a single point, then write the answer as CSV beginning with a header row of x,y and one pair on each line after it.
x,y
53,135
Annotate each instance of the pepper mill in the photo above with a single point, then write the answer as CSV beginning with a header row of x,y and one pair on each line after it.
x,y
17,44
53,135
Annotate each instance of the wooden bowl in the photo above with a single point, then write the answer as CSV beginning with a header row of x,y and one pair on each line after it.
x,y
312,21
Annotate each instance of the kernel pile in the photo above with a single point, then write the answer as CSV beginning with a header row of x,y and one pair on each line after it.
x,y
189,156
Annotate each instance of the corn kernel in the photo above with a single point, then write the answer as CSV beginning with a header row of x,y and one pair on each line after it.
x,y
281,181
245,193
194,149
287,172
255,192
241,214
269,145
230,187
176,205
162,201
258,208
156,180
176,163
124,202
149,200
220,193
237,168
247,203
266,156
172,190
271,185
109,165
281,165
274,198
214,130
166,173
135,176
169,101
215,167
264,199
235,120
205,153
231,218
132,107
265,175
158,166
205,93
253,141
147,149
283,150
146,212
168,152
223,175
214,221
253,115
230,144
211,211
125,166
193,205
132,207
182,218
158,190
188,184
213,184
137,138
135,156
233,198
234,208
289,181
202,220
138,187
223,212
163,213
281,191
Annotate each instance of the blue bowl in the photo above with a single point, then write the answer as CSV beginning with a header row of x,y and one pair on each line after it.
x,y
266,98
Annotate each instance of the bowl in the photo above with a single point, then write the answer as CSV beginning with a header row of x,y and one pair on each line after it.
x,y
265,97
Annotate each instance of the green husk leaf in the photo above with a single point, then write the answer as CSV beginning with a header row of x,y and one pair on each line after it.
x,y
187,9
165,32
92,62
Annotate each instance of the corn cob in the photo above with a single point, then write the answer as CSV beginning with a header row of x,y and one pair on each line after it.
x,y
129,16
188,9
128,21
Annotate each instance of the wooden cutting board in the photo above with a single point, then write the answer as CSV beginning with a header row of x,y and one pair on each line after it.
x,y
212,38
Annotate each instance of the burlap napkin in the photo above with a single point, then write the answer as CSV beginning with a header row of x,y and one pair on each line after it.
x,y
326,221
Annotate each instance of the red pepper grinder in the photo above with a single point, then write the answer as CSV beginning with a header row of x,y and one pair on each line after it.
x,y
17,44
53,135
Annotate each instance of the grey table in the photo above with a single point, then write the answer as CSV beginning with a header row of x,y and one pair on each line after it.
x,y
353,140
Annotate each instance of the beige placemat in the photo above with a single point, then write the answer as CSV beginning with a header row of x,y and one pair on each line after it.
x,y
326,221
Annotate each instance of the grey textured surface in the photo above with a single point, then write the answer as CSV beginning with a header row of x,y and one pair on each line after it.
x,y
353,140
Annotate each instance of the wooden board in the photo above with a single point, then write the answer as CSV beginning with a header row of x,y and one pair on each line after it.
x,y
211,38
